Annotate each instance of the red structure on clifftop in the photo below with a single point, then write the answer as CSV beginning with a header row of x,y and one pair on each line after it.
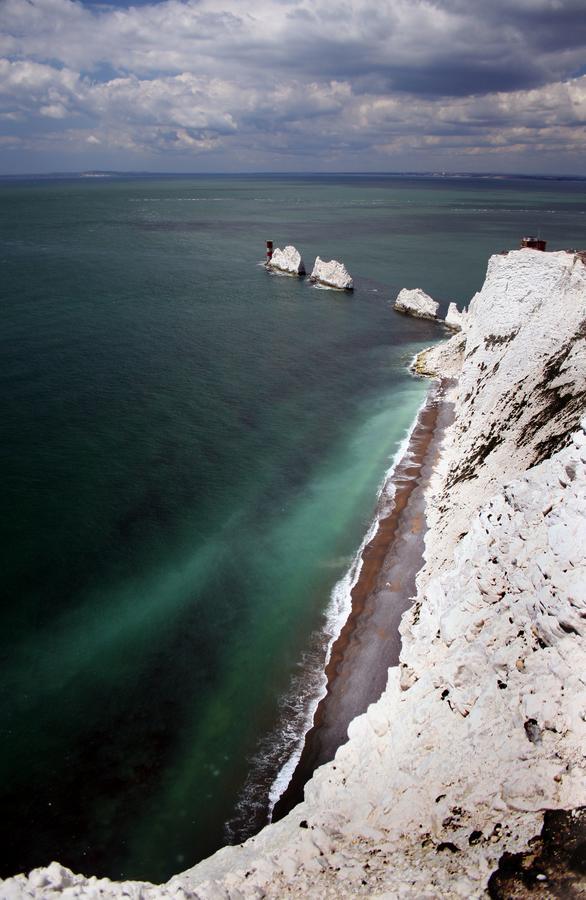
x,y
534,243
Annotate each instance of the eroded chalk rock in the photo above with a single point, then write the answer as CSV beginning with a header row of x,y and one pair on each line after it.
x,y
455,319
332,274
287,261
443,360
416,303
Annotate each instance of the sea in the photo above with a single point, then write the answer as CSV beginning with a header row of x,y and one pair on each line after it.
x,y
192,450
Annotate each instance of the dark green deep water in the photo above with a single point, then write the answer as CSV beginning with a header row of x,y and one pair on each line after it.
x,y
191,450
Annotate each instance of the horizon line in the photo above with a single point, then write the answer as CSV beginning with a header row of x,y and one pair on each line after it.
x,y
161,172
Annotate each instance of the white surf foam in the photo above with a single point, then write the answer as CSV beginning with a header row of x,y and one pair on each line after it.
x,y
325,287
339,609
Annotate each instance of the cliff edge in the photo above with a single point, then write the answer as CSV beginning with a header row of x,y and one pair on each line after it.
x,y
481,728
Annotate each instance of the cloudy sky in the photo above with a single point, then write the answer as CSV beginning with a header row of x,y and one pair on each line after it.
x,y
293,85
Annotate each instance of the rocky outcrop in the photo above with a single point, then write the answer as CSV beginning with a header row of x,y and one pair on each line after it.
x,y
443,359
287,261
481,727
416,303
455,319
331,274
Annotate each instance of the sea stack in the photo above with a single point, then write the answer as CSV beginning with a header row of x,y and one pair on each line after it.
x,y
287,261
454,318
416,303
332,274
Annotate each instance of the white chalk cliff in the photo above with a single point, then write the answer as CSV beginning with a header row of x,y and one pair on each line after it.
x,y
522,387
287,261
482,726
417,303
331,274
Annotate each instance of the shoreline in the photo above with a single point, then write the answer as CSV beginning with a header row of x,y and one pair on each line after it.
x,y
275,758
337,614
369,641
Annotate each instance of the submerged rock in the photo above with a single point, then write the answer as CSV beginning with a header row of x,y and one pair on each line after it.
x,y
416,303
331,274
455,319
289,261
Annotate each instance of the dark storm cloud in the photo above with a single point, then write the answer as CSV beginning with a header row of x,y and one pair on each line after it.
x,y
463,77
546,25
436,75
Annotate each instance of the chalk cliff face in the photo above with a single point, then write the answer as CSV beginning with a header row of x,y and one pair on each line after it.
x,y
288,261
331,274
416,303
443,360
482,726
522,388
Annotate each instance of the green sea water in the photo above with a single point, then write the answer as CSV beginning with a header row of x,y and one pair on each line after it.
x,y
191,453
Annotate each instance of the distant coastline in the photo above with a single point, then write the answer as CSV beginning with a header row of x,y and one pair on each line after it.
x,y
131,173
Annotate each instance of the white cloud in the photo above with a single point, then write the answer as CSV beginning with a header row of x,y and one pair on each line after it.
x,y
30,87
350,80
54,111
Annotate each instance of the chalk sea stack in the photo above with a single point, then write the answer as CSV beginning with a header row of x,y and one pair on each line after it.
x,y
332,274
416,303
287,261
455,320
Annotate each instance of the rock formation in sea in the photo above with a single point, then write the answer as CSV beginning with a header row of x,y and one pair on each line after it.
x,y
332,274
287,261
416,303
480,732
454,318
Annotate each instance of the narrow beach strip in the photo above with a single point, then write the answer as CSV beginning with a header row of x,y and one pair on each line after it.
x,y
369,642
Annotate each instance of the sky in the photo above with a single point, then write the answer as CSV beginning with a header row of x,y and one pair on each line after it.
x,y
293,85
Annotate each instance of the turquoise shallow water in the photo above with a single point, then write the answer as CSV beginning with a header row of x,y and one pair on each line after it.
x,y
190,459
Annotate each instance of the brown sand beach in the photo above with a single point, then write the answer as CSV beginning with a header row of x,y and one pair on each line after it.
x,y
369,642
